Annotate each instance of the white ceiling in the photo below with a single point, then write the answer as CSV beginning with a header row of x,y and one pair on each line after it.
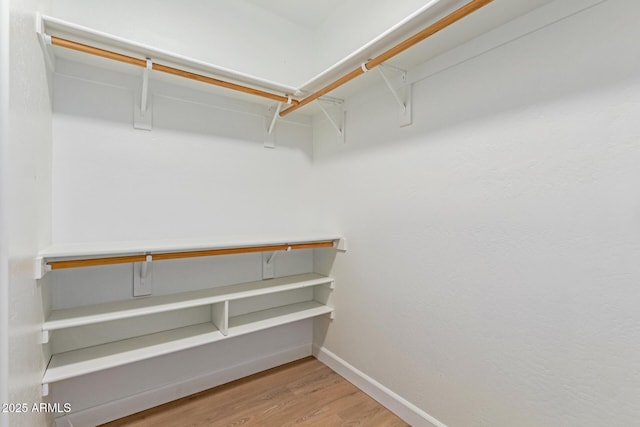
x,y
310,13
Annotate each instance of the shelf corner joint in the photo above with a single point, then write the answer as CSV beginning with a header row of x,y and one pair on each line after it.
x,y
341,244
41,267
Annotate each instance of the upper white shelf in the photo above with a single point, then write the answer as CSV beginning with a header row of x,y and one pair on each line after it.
x,y
490,17
57,27
92,249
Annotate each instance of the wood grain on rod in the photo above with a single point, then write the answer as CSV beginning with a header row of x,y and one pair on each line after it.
x,y
92,262
74,263
441,24
57,41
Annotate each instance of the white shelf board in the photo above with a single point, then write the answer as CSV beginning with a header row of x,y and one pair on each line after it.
x,y
93,359
76,250
92,314
259,320
64,29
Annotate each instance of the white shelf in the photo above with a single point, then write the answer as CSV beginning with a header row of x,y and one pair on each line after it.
x,y
92,314
93,359
77,250
256,321
491,17
61,28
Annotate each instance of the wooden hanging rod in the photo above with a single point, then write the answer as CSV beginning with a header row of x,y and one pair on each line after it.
x,y
92,262
443,23
92,50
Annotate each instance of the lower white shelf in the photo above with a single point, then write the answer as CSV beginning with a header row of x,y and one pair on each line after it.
x,y
93,359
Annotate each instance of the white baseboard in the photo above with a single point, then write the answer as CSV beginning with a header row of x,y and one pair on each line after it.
x,y
409,412
139,402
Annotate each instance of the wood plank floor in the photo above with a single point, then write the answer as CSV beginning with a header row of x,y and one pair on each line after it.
x,y
301,393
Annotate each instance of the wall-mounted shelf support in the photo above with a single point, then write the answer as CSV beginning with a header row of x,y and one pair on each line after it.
x,y
268,263
269,138
220,317
142,112
45,389
337,120
404,100
142,279
44,337
275,118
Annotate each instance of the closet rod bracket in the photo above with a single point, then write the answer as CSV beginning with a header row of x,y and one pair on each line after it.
x,y
142,277
268,263
40,267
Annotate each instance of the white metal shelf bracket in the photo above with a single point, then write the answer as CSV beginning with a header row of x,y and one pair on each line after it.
x,y
341,244
142,278
142,112
268,263
338,122
269,137
404,100
45,389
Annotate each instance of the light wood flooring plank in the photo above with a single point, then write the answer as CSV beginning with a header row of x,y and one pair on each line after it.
x,y
302,393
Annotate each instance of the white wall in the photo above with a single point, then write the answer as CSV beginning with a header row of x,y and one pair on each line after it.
x,y
202,170
233,34
28,209
492,274
4,176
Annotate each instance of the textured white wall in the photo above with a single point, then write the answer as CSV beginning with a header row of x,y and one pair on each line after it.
x,y
233,34
492,274
28,207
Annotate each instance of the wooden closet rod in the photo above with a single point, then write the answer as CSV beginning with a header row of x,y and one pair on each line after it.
x,y
91,262
92,50
443,23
